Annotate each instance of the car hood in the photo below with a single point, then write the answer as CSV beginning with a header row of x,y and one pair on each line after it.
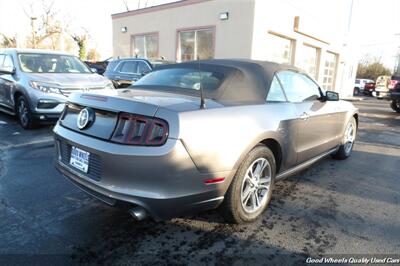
x,y
70,80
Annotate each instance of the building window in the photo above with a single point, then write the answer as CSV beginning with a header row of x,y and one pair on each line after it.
x,y
145,46
310,62
328,82
280,49
195,44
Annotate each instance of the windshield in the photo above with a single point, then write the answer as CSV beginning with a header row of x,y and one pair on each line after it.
x,y
184,78
51,63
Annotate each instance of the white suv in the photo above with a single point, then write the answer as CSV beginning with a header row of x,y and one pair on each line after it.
x,y
359,85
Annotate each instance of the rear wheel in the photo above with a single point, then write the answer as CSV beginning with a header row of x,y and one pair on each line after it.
x,y
251,187
356,91
395,104
349,137
23,113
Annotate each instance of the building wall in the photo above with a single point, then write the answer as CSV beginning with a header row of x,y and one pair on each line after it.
x,y
278,19
249,32
232,37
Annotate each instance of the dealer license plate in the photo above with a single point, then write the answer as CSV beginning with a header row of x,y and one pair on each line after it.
x,y
79,159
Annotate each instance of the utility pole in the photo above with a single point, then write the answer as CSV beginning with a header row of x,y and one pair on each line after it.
x,y
33,31
396,70
345,49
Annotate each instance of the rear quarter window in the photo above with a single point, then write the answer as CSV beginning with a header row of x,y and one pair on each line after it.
x,y
111,66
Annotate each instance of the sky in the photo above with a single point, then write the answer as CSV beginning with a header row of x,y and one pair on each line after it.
x,y
372,26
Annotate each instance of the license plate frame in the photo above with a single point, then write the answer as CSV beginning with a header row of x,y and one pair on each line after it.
x,y
79,159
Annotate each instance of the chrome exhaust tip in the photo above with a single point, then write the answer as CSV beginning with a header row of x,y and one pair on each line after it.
x,y
138,213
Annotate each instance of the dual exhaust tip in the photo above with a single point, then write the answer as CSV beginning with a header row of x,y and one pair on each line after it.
x,y
138,213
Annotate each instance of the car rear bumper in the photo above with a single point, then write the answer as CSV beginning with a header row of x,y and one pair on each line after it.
x,y
381,94
395,95
162,180
46,118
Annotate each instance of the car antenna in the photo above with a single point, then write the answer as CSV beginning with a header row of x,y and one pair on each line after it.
x,y
202,102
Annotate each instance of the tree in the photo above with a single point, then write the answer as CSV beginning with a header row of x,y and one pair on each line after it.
x,y
372,69
81,40
93,55
7,42
46,29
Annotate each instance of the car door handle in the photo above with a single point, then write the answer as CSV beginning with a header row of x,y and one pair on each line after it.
x,y
304,116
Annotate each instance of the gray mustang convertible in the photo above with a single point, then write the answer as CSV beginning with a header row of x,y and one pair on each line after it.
x,y
201,135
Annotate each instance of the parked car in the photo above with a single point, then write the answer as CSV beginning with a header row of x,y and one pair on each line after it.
x,y
124,72
35,84
201,135
359,85
381,87
369,88
394,93
99,66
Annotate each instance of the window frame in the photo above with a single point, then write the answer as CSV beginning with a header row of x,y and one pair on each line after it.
x,y
334,76
144,35
317,57
292,50
211,28
321,93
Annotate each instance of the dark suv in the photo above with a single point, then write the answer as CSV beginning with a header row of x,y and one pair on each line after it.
x,y
394,91
124,72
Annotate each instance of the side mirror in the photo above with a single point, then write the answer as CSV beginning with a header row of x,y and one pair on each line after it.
x,y
94,70
331,96
7,70
144,73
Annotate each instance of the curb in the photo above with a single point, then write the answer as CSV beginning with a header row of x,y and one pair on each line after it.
x,y
353,99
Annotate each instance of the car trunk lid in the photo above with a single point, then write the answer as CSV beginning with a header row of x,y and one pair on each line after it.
x,y
105,109
108,105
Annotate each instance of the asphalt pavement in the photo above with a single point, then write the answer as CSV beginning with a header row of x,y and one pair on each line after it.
x,y
331,209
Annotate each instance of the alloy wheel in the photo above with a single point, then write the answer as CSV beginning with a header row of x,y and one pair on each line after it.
x,y
256,185
349,136
23,112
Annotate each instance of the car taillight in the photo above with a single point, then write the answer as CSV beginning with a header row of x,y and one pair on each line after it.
x,y
140,130
392,84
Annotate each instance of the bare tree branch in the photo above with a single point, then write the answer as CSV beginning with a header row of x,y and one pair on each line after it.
x,y
126,4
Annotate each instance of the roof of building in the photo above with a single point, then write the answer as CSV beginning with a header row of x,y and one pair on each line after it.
x,y
157,8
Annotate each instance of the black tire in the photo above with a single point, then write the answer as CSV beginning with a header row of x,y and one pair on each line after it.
x,y
395,105
356,91
231,208
24,113
344,152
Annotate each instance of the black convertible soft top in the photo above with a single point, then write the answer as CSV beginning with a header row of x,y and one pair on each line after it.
x,y
246,81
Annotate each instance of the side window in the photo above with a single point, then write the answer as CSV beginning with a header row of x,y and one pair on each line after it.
x,y
298,87
8,61
275,93
1,60
143,67
129,67
111,66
